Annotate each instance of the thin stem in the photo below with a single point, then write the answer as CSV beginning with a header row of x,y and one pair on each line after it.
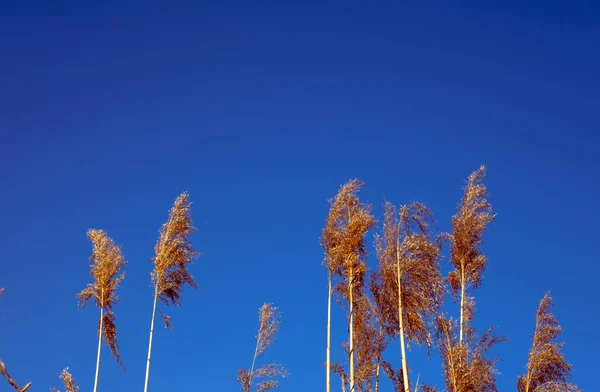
x,y
151,335
528,382
462,302
351,330
351,320
99,349
451,358
377,369
258,338
400,322
328,359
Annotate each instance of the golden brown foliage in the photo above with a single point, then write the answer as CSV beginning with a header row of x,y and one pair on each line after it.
x,y
338,368
394,375
10,380
468,225
109,333
408,288
173,253
343,240
407,253
368,344
547,368
107,262
343,237
466,369
269,325
379,310
67,379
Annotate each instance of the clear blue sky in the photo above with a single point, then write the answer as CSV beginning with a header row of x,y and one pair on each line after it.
x,y
260,112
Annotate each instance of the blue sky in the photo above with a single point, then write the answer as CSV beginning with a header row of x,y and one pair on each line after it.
x,y
260,112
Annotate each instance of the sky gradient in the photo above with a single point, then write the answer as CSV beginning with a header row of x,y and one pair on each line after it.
x,y
109,111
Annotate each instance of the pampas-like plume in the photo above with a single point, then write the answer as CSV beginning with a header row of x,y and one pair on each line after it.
x,y
381,309
547,368
409,273
67,379
173,253
466,368
468,225
368,344
107,262
269,325
343,240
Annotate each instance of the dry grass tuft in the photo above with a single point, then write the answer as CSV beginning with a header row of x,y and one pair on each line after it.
x,y
343,237
368,344
107,261
465,365
343,240
269,325
474,214
173,253
67,379
547,368
408,288
109,333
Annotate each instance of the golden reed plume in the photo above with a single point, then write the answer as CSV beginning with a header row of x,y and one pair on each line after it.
x,y
173,254
547,368
343,240
468,225
67,379
269,325
107,261
408,288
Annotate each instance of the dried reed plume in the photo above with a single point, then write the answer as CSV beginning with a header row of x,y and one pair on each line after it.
x,y
466,369
67,379
547,368
10,379
173,253
343,240
381,309
338,369
468,225
269,325
368,344
106,264
411,287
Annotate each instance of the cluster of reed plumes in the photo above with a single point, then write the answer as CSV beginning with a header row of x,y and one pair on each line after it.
x,y
173,254
403,297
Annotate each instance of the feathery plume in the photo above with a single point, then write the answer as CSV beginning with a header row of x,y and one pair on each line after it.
x,y
107,261
269,325
173,254
474,214
343,240
465,365
409,274
67,379
547,368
